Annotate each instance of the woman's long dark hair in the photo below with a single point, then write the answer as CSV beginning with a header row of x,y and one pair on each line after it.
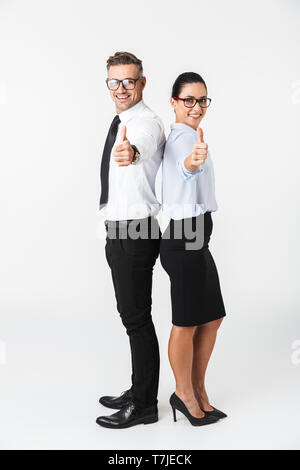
x,y
183,79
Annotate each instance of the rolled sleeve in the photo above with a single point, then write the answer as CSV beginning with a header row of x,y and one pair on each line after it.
x,y
147,139
188,175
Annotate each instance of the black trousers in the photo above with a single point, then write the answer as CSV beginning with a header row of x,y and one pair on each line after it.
x,y
131,262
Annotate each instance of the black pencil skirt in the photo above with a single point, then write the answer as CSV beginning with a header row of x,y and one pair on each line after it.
x,y
195,288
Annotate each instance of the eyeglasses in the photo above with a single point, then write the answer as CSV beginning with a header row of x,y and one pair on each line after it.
x,y
191,102
128,83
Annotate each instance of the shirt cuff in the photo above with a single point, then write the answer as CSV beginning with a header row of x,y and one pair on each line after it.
x,y
188,175
145,147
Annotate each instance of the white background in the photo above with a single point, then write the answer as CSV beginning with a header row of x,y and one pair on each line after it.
x,y
62,343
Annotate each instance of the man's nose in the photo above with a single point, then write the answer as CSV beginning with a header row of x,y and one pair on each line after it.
x,y
121,88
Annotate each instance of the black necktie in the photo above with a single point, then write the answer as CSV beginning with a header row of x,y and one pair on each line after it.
x,y
110,140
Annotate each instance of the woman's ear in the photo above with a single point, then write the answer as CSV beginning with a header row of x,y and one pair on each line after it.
x,y
173,103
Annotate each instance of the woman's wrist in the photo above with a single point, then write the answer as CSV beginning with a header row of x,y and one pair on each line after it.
x,y
188,165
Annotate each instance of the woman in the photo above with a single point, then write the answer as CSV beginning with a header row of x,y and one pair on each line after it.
x,y
189,199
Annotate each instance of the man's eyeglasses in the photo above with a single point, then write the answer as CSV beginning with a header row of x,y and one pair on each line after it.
x,y
128,83
191,102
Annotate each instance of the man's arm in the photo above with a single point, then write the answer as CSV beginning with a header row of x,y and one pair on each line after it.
x,y
146,139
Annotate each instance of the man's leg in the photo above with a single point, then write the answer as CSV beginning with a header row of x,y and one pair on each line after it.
x,y
131,263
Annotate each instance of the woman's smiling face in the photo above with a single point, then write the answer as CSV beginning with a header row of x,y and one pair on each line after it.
x,y
190,116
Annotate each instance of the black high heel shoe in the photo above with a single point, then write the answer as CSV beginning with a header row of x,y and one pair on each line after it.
x,y
177,404
215,412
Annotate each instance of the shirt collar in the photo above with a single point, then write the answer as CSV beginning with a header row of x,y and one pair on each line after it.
x,y
129,113
181,125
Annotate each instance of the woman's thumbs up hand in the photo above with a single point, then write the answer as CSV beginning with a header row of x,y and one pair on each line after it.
x,y
200,149
123,152
198,155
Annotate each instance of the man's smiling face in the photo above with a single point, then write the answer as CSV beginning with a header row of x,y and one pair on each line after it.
x,y
125,99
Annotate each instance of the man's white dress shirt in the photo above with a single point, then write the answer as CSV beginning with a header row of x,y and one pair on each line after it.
x,y
184,193
131,193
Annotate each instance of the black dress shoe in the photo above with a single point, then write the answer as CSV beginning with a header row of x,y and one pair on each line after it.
x,y
128,416
217,413
177,404
117,402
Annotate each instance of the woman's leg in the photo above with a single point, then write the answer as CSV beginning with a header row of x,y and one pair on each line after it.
x,y
204,340
180,353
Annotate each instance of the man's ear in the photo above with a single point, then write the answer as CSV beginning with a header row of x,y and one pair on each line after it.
x,y
143,80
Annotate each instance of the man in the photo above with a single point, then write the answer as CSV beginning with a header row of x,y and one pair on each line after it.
x,y
128,171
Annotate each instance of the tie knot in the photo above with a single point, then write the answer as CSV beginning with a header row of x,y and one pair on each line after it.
x,y
116,120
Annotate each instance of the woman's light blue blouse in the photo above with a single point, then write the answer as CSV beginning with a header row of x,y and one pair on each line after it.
x,y
184,193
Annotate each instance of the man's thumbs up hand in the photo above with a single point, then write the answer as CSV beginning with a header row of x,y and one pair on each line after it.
x,y
200,149
200,135
123,152
123,134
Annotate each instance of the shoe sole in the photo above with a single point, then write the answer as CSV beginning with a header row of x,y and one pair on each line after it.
x,y
148,420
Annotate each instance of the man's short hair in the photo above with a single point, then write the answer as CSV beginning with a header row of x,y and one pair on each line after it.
x,y
124,58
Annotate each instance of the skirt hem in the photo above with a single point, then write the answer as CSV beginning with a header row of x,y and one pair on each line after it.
x,y
198,323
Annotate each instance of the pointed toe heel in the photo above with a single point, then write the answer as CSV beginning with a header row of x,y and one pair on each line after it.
x,y
177,404
215,412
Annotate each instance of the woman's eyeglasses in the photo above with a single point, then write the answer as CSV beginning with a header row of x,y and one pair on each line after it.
x,y
191,102
128,83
